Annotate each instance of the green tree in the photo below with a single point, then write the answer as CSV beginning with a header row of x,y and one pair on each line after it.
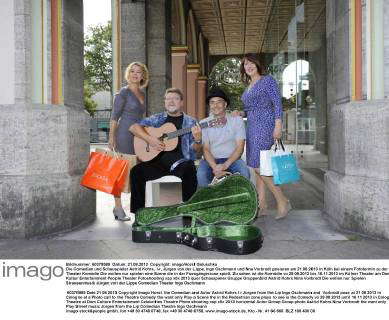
x,y
289,104
226,76
89,104
98,57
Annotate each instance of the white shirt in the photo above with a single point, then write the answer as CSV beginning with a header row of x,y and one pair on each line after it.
x,y
222,140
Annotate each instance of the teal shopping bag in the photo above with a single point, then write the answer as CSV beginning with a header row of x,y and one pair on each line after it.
x,y
285,169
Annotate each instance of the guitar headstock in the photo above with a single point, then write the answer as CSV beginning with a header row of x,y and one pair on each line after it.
x,y
218,122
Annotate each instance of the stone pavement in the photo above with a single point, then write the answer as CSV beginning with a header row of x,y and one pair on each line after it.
x,y
304,234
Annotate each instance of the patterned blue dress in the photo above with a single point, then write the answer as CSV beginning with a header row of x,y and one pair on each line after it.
x,y
262,104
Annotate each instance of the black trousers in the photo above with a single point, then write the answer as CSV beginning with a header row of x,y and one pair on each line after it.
x,y
145,171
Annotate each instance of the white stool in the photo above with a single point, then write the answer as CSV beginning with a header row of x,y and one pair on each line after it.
x,y
153,188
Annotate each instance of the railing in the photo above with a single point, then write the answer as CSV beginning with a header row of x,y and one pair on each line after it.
x,y
99,126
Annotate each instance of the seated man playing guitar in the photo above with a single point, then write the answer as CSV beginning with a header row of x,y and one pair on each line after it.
x,y
222,147
177,159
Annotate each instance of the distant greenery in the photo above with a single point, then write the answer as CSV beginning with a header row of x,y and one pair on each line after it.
x,y
97,63
98,57
89,104
226,75
289,104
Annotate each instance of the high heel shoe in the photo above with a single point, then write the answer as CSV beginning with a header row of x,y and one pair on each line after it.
x,y
284,213
120,214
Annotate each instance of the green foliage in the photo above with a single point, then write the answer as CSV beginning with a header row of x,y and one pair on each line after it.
x,y
89,104
98,57
288,104
226,75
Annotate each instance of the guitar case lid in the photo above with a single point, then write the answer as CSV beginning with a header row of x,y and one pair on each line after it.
x,y
221,219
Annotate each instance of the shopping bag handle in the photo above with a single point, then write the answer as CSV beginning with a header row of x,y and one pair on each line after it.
x,y
116,154
278,144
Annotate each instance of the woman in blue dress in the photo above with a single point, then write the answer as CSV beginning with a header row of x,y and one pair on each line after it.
x,y
128,108
263,109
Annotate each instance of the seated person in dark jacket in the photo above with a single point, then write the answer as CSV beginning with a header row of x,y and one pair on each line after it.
x,y
178,162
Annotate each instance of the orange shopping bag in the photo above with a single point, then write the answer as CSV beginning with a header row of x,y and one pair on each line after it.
x,y
130,158
105,173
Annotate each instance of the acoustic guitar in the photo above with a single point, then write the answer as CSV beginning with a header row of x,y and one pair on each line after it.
x,y
168,134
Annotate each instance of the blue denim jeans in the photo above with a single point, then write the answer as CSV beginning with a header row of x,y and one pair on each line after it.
x,y
205,175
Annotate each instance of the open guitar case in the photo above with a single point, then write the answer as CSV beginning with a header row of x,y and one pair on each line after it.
x,y
221,216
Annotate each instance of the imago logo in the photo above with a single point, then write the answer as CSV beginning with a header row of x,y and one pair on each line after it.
x,y
99,176
45,272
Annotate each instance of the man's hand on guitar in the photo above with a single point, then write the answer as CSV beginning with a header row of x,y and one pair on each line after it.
x,y
196,131
156,143
237,113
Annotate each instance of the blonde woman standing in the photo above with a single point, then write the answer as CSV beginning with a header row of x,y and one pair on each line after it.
x,y
128,108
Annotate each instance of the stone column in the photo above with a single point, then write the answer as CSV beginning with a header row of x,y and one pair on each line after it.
x,y
193,71
45,147
179,63
145,30
202,95
158,52
357,183
132,34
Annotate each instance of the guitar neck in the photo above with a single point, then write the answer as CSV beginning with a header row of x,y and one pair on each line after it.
x,y
181,132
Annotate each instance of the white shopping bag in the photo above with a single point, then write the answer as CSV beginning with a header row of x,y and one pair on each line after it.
x,y
265,168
